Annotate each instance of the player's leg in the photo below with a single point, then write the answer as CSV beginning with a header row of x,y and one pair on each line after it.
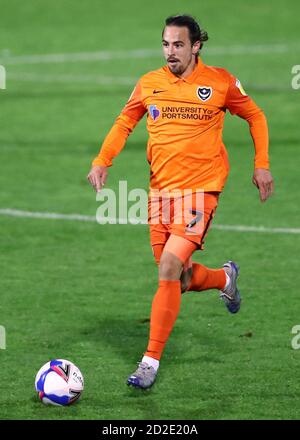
x,y
159,234
186,275
166,303
200,278
174,258
197,277
198,211
165,308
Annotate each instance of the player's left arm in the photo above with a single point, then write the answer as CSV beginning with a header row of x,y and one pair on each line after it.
x,y
239,103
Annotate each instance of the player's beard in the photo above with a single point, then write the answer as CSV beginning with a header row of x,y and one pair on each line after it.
x,y
179,68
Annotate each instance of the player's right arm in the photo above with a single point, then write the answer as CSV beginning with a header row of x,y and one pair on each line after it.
x,y
115,141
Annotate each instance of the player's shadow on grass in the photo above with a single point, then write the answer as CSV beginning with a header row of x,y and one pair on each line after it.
x,y
125,336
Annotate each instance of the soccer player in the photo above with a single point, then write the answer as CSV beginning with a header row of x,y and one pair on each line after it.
x,y
185,102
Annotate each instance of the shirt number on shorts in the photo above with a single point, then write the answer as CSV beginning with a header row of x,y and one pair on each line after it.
x,y
195,220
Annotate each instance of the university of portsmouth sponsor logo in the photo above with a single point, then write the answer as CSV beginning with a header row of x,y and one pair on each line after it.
x,y
204,93
154,112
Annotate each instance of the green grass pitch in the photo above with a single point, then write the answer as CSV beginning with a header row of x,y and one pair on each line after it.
x,y
82,291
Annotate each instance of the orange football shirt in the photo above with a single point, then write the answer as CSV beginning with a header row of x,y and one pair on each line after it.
x,y
185,118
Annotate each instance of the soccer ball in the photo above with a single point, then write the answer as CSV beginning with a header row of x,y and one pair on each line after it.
x,y
59,382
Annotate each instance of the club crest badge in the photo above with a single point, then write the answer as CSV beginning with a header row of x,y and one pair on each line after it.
x,y
204,93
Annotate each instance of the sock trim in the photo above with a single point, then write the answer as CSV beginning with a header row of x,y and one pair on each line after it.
x,y
151,361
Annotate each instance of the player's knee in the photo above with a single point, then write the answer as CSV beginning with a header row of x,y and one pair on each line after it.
x,y
185,279
170,267
184,286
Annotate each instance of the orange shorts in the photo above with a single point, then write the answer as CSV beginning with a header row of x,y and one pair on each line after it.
x,y
187,217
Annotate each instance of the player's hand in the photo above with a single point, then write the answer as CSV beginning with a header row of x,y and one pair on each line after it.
x,y
97,177
263,180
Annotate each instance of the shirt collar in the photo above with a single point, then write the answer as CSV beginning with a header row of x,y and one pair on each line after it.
x,y
189,79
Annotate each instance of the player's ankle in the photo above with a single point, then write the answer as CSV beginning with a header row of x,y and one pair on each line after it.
x,y
151,361
227,282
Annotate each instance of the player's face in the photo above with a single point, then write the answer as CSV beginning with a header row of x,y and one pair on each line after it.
x,y
178,50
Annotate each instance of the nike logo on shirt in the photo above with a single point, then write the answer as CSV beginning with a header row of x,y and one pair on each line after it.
x,y
158,91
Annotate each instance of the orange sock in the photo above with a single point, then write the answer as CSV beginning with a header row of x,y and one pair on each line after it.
x,y
204,278
165,308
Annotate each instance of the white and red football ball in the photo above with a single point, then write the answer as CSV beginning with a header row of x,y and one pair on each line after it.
x,y
59,382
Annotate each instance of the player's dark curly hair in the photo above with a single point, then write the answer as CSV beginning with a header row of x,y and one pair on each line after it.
x,y
196,33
